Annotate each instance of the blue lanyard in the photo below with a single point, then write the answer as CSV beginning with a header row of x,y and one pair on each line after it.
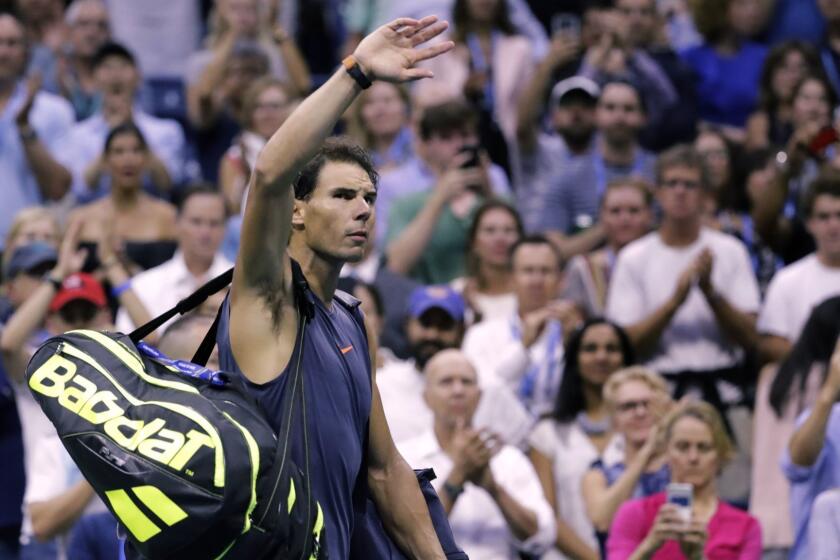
x,y
528,385
600,167
481,64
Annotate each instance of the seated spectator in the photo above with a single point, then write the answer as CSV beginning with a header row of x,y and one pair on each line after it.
x,y
810,460
488,285
799,287
784,391
143,227
429,203
267,104
570,209
564,445
641,28
200,226
117,79
625,216
33,121
619,55
733,205
87,31
524,351
637,399
545,156
786,64
378,120
34,224
685,293
436,323
489,490
727,64
242,46
696,447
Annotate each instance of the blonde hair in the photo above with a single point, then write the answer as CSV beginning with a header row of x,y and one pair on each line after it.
x,y
356,127
634,373
253,93
708,415
218,27
25,216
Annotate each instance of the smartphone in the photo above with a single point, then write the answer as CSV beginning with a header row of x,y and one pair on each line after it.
x,y
565,24
681,495
825,137
473,160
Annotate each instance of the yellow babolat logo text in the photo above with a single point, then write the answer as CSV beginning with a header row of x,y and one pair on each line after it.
x,y
58,379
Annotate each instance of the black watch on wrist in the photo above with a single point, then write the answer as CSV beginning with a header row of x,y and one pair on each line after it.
x,y
452,490
56,283
351,65
27,134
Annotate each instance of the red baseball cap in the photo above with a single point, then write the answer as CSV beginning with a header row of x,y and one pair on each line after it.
x,y
79,286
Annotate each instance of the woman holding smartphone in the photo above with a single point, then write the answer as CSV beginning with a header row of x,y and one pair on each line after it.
x,y
697,446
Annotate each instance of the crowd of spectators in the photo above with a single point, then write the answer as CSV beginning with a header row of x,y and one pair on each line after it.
x,y
605,257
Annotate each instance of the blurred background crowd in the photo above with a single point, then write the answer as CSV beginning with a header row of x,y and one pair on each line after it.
x,y
606,254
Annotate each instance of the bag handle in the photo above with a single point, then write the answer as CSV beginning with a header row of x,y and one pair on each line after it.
x,y
186,305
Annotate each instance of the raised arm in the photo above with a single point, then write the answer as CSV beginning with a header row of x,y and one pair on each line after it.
x,y
809,439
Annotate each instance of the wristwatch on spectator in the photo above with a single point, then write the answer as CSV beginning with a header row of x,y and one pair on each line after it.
x,y
56,282
453,490
27,134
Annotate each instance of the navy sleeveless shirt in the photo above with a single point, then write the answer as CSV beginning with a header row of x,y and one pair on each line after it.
x,y
335,366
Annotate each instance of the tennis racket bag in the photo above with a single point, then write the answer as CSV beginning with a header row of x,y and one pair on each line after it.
x,y
181,455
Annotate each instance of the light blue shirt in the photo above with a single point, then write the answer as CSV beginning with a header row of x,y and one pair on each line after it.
x,y
51,117
808,482
414,177
86,141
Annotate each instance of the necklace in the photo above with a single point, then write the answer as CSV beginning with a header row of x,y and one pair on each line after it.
x,y
592,427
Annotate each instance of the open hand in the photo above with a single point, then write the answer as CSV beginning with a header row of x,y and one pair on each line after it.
x,y
71,259
390,52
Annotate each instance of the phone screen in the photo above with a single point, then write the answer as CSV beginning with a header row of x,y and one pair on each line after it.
x,y
567,25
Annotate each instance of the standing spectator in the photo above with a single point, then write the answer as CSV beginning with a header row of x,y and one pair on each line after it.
x,y
525,351
545,157
697,447
637,399
435,323
489,490
578,432
642,31
200,226
799,287
810,461
570,209
427,226
685,293
626,215
266,105
117,79
88,28
32,122
491,62
488,285
140,226
786,64
379,122
728,64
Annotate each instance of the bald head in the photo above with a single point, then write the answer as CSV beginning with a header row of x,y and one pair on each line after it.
x,y
452,391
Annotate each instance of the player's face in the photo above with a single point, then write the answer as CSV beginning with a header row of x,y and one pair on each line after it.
x,y
338,218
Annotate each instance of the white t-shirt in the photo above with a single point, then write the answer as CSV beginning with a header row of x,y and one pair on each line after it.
x,y
793,293
571,454
645,277
401,385
477,522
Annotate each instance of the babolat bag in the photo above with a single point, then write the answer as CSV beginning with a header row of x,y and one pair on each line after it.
x,y
182,456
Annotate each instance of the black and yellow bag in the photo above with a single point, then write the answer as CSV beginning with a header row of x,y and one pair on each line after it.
x,y
181,455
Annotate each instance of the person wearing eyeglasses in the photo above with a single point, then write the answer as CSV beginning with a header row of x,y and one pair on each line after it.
x,y
637,399
686,294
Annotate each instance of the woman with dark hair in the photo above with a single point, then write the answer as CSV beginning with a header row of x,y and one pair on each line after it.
x,y
488,285
783,392
491,65
564,445
786,64
143,226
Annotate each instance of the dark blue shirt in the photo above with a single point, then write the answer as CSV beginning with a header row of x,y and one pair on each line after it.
x,y
335,366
